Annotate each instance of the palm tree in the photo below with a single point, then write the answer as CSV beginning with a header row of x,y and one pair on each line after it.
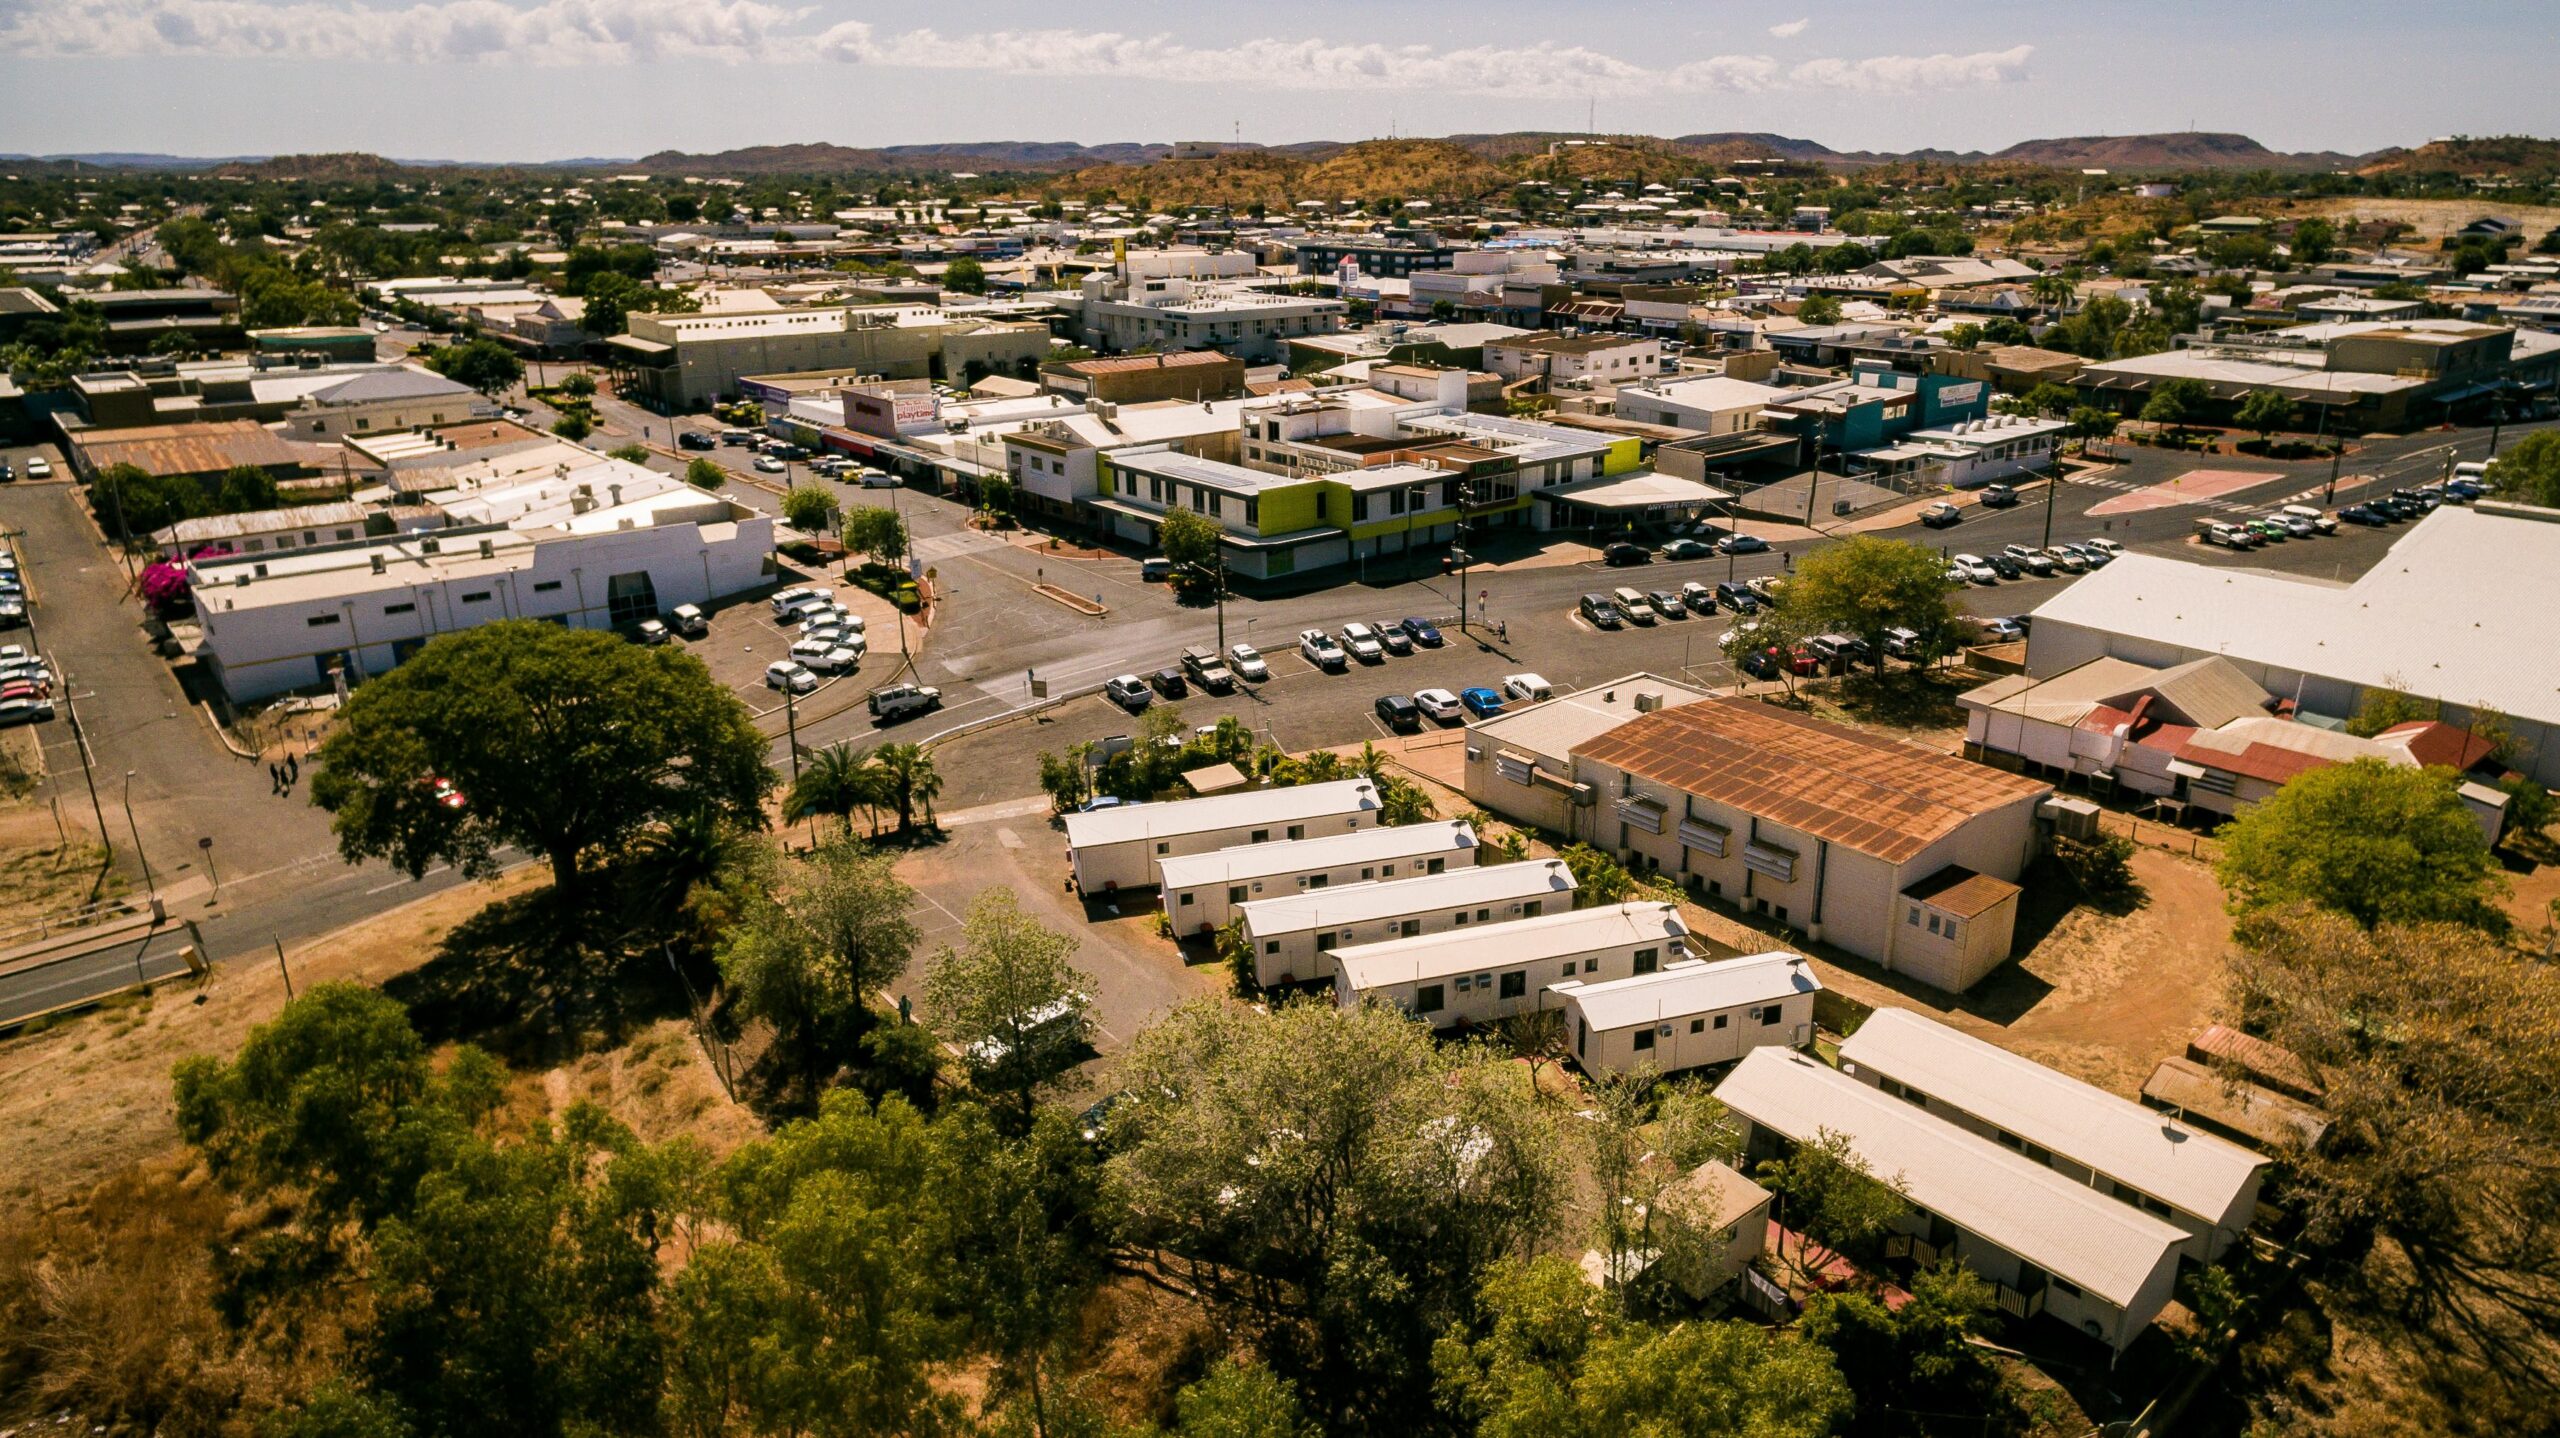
x,y
839,780
907,779
2053,291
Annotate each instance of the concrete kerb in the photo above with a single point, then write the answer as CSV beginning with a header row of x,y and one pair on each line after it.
x,y
980,726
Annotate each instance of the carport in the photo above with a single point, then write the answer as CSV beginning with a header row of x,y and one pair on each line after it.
x,y
1620,502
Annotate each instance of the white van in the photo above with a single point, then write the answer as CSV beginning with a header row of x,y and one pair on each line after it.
x,y
2323,522
2471,469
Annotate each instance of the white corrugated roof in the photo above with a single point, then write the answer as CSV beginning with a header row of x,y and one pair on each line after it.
x,y
1346,904
1693,987
2113,1136
1507,946
2078,1233
1325,851
1219,811
2457,610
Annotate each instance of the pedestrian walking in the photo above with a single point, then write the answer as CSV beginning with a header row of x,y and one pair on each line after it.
x,y
1788,560
292,770
275,778
1502,630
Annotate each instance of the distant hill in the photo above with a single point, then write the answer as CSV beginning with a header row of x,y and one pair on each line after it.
x,y
1370,170
1002,156
339,167
2519,155
2185,150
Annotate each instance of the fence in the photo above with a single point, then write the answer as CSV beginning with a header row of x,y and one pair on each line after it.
x,y
2169,837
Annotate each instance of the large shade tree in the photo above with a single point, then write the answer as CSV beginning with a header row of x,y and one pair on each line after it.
x,y
566,742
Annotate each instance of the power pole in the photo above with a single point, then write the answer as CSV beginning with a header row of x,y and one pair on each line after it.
x,y
1466,495
791,722
2052,490
1813,483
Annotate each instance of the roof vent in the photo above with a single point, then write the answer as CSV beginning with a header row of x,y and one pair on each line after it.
x,y
488,548
431,546
379,565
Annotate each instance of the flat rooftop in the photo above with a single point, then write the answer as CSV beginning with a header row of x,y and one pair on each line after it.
x,y
1693,986
1325,851
1128,823
1344,905
1426,957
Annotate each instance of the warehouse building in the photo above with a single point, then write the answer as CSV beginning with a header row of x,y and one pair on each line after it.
x,y
1899,855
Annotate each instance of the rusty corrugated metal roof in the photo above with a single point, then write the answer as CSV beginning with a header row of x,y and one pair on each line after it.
x,y
1876,796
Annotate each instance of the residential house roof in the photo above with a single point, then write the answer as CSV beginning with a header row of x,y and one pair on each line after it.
x,y
2106,1247
1877,796
2116,1137
207,448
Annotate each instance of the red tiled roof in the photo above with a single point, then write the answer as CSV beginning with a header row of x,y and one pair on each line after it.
x,y
2258,761
1877,796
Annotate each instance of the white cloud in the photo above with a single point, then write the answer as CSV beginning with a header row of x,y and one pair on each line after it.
x,y
608,32
1790,30
1901,73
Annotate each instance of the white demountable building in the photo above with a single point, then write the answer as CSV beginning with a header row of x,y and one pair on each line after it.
x,y
1119,848
1289,933
2047,1244
1690,1015
2139,1156
1203,891
1477,976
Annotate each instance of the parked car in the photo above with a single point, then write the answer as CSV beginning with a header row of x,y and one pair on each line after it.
x,y
1398,712
1941,515
1976,569
1902,643
2294,525
878,479
2002,631
1128,691
24,711
1169,683
1528,688
650,631
1763,663
1423,632
902,701
1737,596
769,465
1602,614
1155,570
1321,651
1698,597
1438,703
2362,514
2068,558
1688,549
1392,637
1744,544
1480,701
789,599
689,621
1998,496
1633,604
1363,643
2004,566
39,467
789,675
2033,561
1248,663
2463,491
1767,586
2107,547
1208,670
1622,554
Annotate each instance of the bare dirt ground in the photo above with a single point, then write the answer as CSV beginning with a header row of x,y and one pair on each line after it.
x,y
2433,219
2098,996
88,1096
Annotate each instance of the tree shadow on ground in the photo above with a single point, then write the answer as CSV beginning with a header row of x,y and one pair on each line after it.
x,y
541,976
1904,699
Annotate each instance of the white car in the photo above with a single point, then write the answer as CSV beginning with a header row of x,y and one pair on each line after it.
x,y
38,467
1527,687
1320,650
2033,561
839,659
1363,643
2107,547
834,616
791,601
879,479
1976,570
688,620
1438,703
2067,559
789,675
770,465
1248,664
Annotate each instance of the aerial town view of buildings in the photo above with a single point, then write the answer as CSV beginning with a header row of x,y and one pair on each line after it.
x,y
1898,784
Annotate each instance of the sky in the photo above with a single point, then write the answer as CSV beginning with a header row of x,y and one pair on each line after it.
x,y
553,79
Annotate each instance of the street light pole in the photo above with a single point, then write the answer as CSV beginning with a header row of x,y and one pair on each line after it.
x,y
1466,558
791,725
136,830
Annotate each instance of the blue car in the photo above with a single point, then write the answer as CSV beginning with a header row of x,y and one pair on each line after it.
x,y
1481,702
1421,632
